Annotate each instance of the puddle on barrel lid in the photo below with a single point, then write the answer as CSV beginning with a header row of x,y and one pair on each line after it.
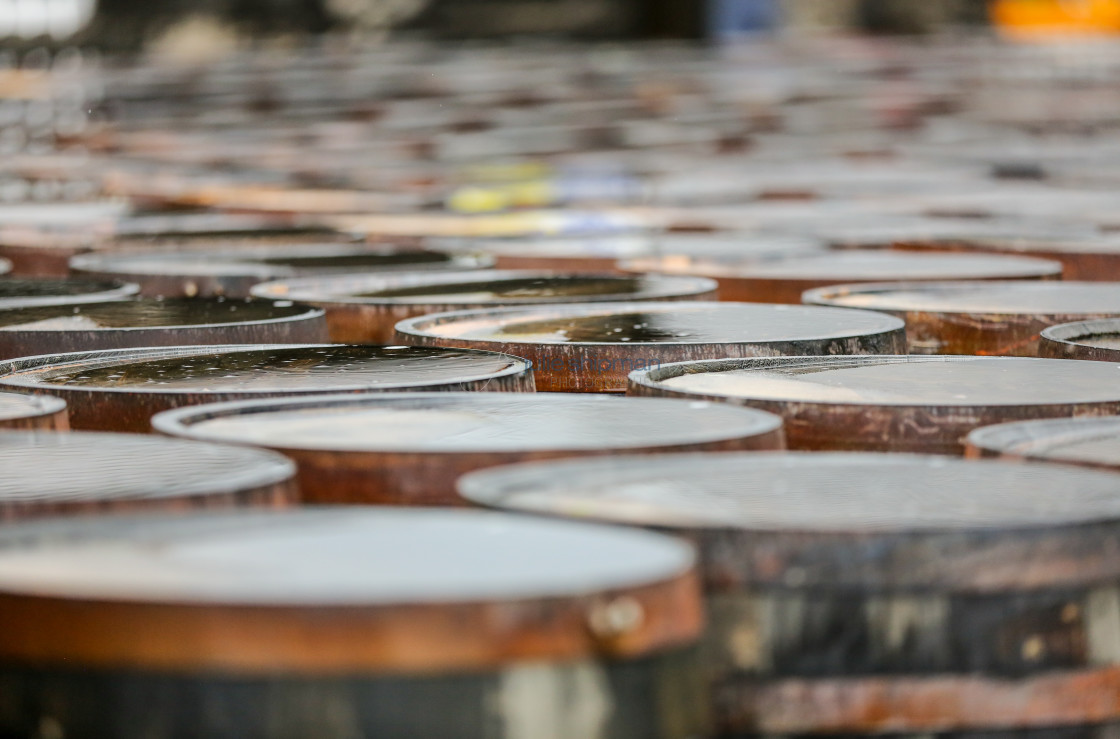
x,y
143,314
519,288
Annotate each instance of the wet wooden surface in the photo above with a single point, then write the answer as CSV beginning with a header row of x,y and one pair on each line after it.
x,y
408,449
593,348
898,404
18,292
144,322
120,390
366,308
32,412
999,318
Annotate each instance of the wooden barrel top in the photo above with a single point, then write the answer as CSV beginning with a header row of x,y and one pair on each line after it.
x,y
79,472
999,317
409,448
41,412
337,591
1092,442
16,292
143,322
869,522
892,403
783,280
233,271
122,389
5,266
1098,340
589,347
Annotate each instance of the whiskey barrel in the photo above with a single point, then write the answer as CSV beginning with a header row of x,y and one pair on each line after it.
x,y
1097,340
602,253
32,412
5,266
1091,442
784,280
48,474
409,448
26,292
141,322
337,623
1090,257
592,348
44,252
870,594
996,318
121,389
232,272
366,307
895,404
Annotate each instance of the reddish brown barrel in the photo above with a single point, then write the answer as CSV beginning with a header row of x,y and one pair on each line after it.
x,y
48,474
997,318
120,390
1091,442
141,322
33,412
784,280
1097,340
864,594
331,622
233,272
593,348
1091,257
602,253
17,292
367,307
409,448
896,404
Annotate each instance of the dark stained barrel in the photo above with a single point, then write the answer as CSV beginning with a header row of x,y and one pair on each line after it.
x,y
784,280
997,318
32,412
876,595
17,292
895,404
1091,442
602,253
593,348
120,390
340,623
233,272
48,474
409,448
140,322
1097,340
367,307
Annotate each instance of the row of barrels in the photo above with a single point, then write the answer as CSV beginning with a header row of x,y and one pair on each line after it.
x,y
320,288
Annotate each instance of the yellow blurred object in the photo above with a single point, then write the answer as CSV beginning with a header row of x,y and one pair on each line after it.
x,y
1048,18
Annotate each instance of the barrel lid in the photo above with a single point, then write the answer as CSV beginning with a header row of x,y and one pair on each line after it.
x,y
995,297
264,368
365,589
50,473
1102,333
144,313
649,323
962,381
849,266
5,266
14,406
21,292
486,286
271,261
849,493
623,246
466,422
1088,441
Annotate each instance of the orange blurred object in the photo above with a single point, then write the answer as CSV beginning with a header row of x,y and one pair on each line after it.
x,y
1046,18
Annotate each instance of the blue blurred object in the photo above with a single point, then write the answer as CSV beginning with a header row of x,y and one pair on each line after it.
x,y
729,19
